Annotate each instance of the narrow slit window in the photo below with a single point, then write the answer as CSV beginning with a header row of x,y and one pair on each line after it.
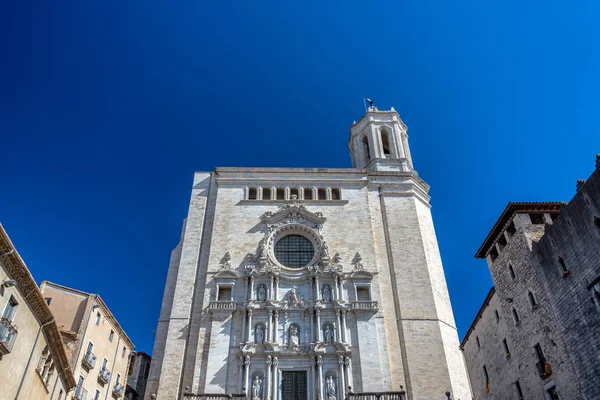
x,y
519,390
385,142
531,299
322,194
497,316
515,316
597,223
280,194
266,192
367,151
308,194
511,271
252,194
506,349
478,342
562,264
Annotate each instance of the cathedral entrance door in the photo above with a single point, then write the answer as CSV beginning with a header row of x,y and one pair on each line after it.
x,y
293,385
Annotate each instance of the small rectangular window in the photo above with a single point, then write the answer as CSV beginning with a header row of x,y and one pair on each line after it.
x,y
294,192
308,194
511,271
537,219
519,391
252,194
515,316
147,371
98,316
531,299
335,194
506,350
511,229
266,192
502,241
363,293
224,293
111,335
280,194
322,194
493,253
124,351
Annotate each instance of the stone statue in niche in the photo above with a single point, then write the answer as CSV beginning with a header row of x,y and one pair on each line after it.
x,y
294,340
330,389
326,295
329,335
259,334
257,388
294,295
262,293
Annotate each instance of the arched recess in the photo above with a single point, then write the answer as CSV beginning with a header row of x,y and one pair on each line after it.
x,y
366,151
386,142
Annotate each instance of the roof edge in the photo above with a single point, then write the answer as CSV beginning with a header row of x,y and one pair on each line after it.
x,y
486,302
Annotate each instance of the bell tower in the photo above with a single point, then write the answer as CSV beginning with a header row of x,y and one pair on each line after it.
x,y
379,142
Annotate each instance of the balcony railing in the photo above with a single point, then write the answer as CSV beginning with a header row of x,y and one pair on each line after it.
x,y
222,306
212,396
89,360
104,375
399,395
118,390
364,306
80,393
8,334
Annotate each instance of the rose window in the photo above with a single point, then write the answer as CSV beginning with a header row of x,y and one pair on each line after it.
x,y
294,251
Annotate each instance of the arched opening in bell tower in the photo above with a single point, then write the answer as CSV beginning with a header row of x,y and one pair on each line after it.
x,y
385,143
366,151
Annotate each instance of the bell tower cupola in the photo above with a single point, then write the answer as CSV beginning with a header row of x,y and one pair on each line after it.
x,y
378,141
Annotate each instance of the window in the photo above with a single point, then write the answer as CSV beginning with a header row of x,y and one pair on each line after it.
x,y
542,364
366,150
511,271
502,242
478,343
294,251
506,349
97,395
516,316
385,142
493,253
497,316
562,264
147,371
60,394
104,363
10,310
111,335
98,316
294,192
48,300
335,194
363,293
519,391
90,348
321,194
597,223
531,299
308,194
266,192
123,352
486,377
252,194
552,393
131,365
118,379
511,229
280,193
537,219
224,293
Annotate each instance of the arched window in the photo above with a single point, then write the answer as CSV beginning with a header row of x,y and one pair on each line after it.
x,y
385,142
366,150
531,299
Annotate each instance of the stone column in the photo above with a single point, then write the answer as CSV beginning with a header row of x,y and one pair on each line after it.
x,y
268,376
269,322
312,326
320,379
247,374
249,326
318,289
251,294
276,294
338,327
275,380
319,330
342,381
244,323
314,384
241,378
348,362
343,312
340,289
271,297
276,326
335,288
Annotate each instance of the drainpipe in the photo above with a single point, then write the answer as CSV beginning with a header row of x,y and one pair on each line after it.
x,y
112,369
30,357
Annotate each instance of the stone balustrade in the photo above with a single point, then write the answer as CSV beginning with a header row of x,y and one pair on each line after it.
x,y
364,306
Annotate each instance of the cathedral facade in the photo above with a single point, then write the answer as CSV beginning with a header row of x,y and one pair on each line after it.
x,y
310,284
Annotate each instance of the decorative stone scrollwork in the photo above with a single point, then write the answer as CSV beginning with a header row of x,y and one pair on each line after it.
x,y
226,262
357,262
337,259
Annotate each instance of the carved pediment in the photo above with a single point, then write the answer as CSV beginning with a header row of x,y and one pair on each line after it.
x,y
226,274
293,211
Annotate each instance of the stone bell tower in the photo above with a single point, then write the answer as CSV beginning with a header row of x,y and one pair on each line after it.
x,y
379,142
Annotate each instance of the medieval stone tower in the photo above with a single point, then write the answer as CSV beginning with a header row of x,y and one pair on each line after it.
x,y
298,283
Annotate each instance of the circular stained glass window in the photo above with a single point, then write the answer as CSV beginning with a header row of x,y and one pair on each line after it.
x,y
294,251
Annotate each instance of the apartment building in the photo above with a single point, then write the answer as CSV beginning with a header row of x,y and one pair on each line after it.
x,y
33,361
97,347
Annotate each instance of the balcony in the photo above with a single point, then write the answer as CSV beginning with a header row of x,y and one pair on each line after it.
x,y
364,306
222,306
398,395
8,335
104,376
80,393
215,396
89,360
118,390
543,368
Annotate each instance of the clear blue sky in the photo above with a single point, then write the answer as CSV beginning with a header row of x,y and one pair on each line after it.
x,y
107,108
